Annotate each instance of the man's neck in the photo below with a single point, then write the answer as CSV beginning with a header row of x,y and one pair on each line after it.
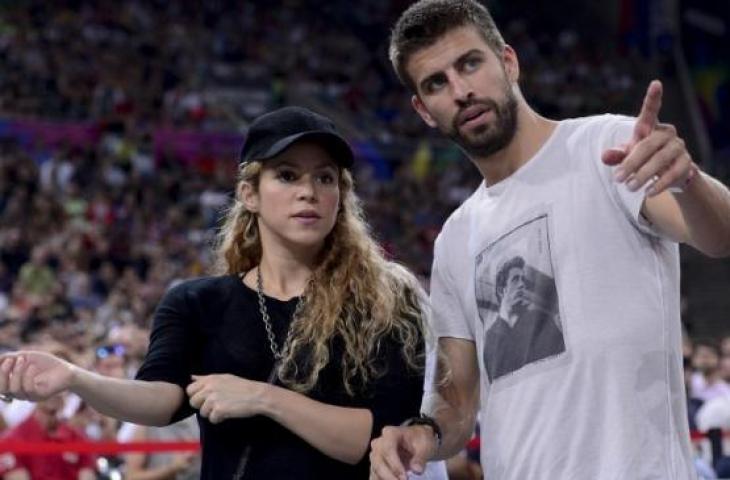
x,y
532,132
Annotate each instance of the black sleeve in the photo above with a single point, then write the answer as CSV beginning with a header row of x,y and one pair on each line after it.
x,y
398,393
170,352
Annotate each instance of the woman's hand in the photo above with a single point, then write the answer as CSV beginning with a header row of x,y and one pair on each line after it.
x,y
223,396
34,375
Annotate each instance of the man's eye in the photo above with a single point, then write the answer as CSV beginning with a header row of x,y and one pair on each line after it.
x,y
435,84
472,64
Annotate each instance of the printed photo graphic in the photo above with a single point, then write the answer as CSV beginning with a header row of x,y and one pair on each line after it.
x,y
517,300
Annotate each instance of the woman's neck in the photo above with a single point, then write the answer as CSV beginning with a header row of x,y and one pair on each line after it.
x,y
282,277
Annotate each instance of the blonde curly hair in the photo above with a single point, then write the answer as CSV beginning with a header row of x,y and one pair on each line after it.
x,y
354,293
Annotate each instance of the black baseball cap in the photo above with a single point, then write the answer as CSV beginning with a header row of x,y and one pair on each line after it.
x,y
272,133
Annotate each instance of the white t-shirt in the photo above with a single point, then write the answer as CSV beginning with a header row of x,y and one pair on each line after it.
x,y
573,303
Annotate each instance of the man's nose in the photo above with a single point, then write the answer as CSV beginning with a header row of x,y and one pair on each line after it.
x,y
461,89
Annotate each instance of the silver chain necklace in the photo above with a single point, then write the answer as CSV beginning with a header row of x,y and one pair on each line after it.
x,y
278,353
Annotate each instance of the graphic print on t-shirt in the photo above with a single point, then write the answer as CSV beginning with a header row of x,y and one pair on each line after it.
x,y
517,299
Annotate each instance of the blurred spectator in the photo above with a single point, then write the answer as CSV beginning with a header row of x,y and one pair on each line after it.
x,y
164,466
36,278
706,381
44,425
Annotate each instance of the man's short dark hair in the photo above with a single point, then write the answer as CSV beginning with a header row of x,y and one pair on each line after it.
x,y
424,22
503,274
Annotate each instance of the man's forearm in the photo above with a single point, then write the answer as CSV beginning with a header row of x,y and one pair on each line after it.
x,y
456,421
705,205
453,399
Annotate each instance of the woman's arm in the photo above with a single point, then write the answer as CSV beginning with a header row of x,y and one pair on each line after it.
x,y
39,375
339,432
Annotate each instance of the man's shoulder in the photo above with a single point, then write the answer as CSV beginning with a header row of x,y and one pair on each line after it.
x,y
597,121
460,218
597,127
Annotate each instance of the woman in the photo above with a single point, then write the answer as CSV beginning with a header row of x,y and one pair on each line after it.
x,y
300,351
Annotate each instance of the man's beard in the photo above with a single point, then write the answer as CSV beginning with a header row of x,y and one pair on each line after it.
x,y
485,140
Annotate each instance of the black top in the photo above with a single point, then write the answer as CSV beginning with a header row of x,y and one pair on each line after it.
x,y
213,325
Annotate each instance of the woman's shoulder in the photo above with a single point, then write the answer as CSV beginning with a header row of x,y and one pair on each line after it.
x,y
207,288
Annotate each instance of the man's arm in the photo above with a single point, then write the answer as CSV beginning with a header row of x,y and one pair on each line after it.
x,y
454,407
699,216
457,401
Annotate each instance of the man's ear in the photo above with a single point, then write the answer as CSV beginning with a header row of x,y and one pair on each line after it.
x,y
249,196
511,64
420,108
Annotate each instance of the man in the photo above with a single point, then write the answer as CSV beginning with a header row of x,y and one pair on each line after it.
x,y
594,205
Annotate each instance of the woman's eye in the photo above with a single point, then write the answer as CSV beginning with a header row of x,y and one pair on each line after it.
x,y
286,176
327,179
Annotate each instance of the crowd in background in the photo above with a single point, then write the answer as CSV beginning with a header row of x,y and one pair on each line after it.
x,y
91,236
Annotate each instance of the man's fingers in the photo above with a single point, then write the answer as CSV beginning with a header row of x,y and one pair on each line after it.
x,y
420,455
418,462
659,162
646,122
676,174
381,469
385,455
649,115
614,156
641,153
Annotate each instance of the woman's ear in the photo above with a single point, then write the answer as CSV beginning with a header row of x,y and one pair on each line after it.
x,y
249,196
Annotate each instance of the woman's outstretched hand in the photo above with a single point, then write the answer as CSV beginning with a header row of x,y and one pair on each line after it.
x,y
30,375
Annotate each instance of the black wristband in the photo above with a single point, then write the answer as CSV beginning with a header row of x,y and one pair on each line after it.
x,y
424,419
